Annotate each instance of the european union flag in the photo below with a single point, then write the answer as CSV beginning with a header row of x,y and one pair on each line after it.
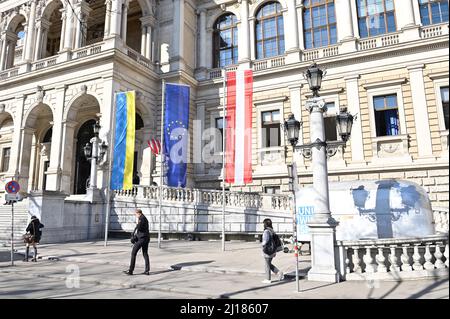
x,y
176,129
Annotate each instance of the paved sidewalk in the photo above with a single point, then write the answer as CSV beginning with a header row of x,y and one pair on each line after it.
x,y
186,270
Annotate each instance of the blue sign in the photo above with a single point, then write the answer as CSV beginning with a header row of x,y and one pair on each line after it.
x,y
304,215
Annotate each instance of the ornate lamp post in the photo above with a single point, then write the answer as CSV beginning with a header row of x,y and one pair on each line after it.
x,y
322,226
95,151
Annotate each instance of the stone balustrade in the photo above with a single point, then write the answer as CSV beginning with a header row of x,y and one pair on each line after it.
x,y
440,217
275,62
394,259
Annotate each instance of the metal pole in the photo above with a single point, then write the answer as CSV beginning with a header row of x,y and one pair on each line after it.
x,y
12,233
223,158
111,149
161,161
291,173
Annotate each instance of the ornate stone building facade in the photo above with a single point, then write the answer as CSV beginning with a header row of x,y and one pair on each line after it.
x,y
61,61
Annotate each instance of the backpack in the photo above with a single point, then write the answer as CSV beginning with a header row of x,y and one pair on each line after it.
x,y
273,245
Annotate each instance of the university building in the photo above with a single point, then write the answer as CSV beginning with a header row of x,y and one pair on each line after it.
x,y
386,61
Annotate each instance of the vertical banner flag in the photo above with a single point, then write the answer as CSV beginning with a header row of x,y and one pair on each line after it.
x,y
176,129
123,156
238,145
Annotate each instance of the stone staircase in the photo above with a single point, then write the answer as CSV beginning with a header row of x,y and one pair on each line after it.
x,y
21,218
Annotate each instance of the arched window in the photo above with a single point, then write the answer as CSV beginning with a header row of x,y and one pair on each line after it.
x,y
269,31
433,11
319,23
375,17
225,41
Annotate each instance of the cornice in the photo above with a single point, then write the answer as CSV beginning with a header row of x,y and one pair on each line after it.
x,y
379,84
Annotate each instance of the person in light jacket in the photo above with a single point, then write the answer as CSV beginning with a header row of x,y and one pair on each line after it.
x,y
267,235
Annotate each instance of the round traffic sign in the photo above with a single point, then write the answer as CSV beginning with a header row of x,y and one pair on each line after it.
x,y
12,187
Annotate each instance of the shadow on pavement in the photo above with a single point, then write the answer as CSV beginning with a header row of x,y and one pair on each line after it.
x,y
228,295
5,256
428,289
188,264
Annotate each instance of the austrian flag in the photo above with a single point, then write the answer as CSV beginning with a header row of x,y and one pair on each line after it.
x,y
238,144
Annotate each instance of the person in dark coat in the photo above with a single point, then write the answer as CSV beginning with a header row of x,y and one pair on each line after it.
x,y
140,239
33,229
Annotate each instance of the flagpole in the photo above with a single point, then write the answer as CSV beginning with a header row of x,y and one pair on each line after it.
x,y
111,150
161,161
223,158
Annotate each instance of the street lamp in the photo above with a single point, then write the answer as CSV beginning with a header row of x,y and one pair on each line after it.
x,y
95,151
322,225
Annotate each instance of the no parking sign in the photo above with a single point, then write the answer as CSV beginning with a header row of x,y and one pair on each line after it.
x,y
12,187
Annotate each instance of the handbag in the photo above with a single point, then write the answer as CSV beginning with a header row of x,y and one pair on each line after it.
x,y
28,238
134,238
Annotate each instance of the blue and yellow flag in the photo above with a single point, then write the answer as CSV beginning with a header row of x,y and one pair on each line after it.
x,y
122,168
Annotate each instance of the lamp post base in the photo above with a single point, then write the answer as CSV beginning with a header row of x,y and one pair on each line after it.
x,y
323,263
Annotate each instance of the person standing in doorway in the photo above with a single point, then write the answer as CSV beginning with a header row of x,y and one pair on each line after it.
x,y
140,238
269,247
33,237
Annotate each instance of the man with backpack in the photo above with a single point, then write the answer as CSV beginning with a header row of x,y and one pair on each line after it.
x,y
271,243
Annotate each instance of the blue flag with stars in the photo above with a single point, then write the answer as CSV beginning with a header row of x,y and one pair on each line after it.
x,y
176,129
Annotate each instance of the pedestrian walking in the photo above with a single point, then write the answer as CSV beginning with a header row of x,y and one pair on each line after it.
x,y
32,237
140,239
270,245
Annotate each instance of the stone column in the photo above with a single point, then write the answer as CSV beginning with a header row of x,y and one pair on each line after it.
x,y
124,23
37,50
322,225
108,18
301,41
25,43
63,30
31,33
25,157
78,30
244,34
144,40
424,145
17,138
356,139
148,43
67,155
202,47
344,23
11,52
198,129
54,169
405,19
68,36
252,22
178,35
291,28
3,52
116,18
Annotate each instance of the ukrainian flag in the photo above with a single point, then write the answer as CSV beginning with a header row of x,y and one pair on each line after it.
x,y
123,156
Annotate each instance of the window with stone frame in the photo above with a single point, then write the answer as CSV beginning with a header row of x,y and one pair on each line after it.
x,y
386,115
375,17
6,154
219,139
225,41
272,190
445,105
330,122
433,11
270,129
269,32
319,23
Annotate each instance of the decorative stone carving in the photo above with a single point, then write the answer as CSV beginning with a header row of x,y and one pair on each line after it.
x,y
40,93
2,108
83,88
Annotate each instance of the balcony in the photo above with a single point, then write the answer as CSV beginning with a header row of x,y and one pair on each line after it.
x,y
94,49
314,54
378,42
217,72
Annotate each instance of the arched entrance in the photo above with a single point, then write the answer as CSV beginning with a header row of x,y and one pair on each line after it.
x,y
134,26
78,130
50,30
6,136
36,149
82,164
14,38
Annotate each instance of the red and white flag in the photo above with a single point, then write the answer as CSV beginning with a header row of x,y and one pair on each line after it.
x,y
238,145
155,146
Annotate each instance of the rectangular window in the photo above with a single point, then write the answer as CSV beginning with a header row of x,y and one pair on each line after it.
x,y
272,190
445,106
386,115
375,17
330,122
433,11
319,23
270,129
6,154
219,126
